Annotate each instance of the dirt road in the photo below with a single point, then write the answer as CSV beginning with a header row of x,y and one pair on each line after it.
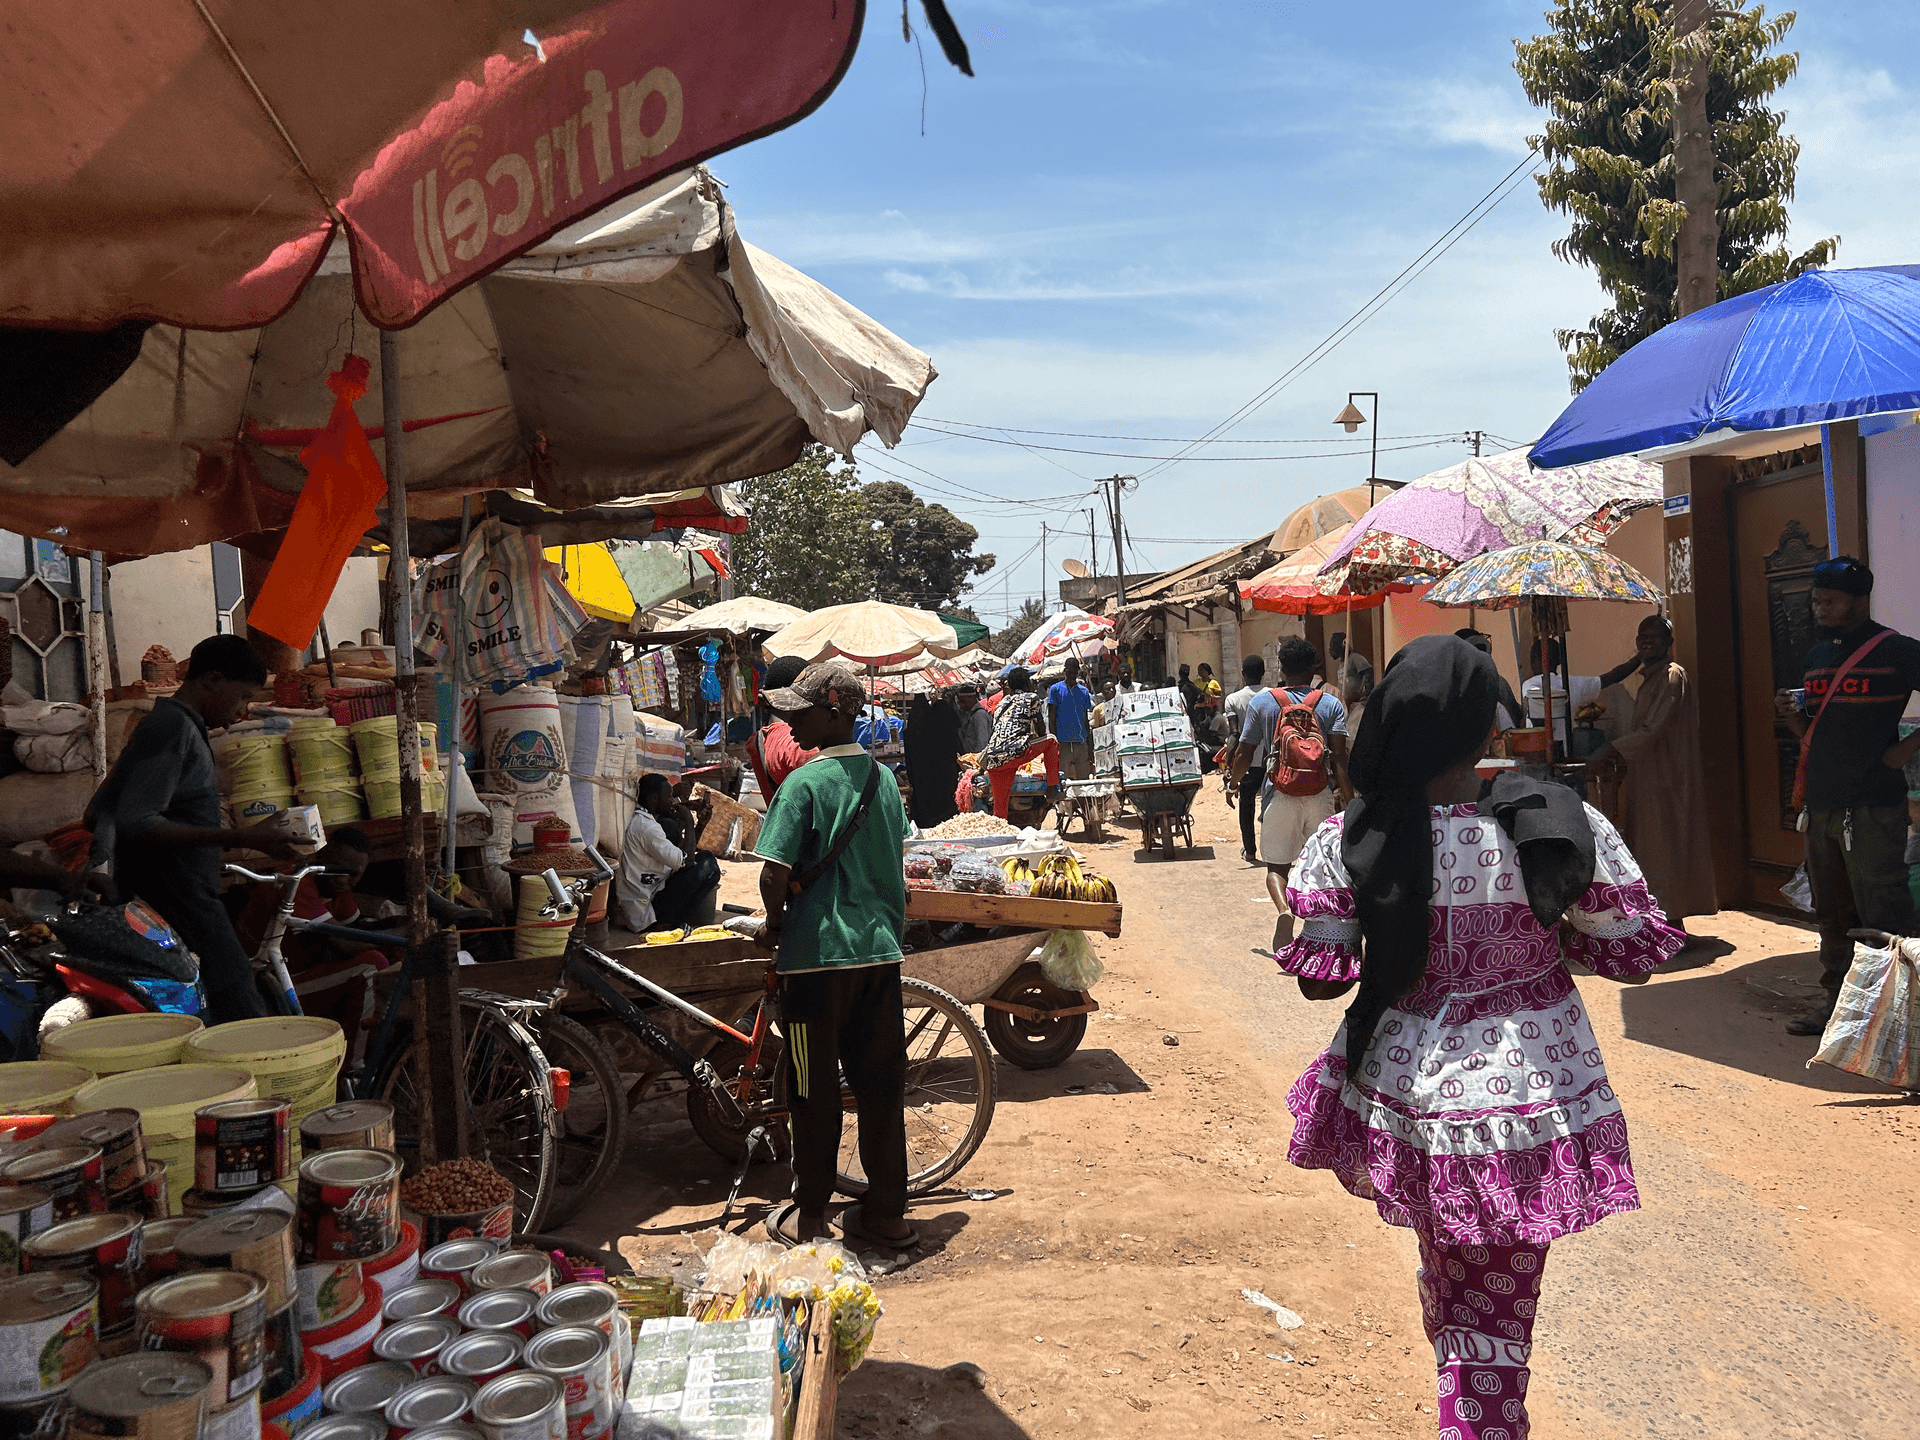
x,y
1767,1287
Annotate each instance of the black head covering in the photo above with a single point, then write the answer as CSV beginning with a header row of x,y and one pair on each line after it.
x,y
1433,709
1845,574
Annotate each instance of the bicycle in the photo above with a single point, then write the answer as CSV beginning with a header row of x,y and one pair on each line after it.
x,y
511,1085
736,1105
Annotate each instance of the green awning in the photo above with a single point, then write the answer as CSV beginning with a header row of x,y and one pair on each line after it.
x,y
969,632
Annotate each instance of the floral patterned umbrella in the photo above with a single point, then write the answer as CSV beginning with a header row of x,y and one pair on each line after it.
x,y
1491,502
1542,569
1292,586
1069,631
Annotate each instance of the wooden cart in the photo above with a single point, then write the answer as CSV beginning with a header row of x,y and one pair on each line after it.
x,y
1165,811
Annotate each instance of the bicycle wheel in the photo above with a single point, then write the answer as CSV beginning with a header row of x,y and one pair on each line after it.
x,y
593,1127
713,1123
950,1094
509,1107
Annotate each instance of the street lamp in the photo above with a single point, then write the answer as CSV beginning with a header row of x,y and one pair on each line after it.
x,y
1352,418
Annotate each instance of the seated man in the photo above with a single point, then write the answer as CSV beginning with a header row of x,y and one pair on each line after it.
x,y
662,884
1019,734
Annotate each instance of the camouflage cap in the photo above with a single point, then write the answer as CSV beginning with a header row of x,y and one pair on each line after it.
x,y
830,683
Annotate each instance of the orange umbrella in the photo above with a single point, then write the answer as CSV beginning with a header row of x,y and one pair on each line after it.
x,y
1290,586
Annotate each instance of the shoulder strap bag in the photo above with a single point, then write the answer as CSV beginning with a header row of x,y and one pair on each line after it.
x,y
1806,739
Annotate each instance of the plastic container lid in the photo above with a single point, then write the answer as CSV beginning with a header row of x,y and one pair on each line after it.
x,y
38,1086
115,1043
167,1095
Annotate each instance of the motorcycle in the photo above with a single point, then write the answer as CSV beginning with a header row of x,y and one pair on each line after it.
x,y
90,959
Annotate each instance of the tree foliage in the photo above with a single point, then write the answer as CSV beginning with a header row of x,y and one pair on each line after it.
x,y
1603,72
818,537
1032,612
922,555
806,543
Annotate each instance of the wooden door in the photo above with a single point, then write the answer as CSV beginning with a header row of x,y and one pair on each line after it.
x,y
1780,535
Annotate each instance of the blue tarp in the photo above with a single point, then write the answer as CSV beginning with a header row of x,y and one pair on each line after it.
x,y
1829,345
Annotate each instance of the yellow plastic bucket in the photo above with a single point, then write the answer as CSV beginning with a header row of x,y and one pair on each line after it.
x,y
41,1087
296,1056
323,755
343,806
253,762
546,940
383,796
166,1097
378,744
114,1043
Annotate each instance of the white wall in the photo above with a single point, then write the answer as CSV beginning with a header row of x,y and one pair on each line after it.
x,y
168,600
1893,529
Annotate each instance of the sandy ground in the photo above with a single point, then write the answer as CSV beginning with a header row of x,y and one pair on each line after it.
x,y
1768,1287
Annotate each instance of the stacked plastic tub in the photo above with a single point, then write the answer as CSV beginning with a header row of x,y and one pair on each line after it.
x,y
251,762
326,770
377,742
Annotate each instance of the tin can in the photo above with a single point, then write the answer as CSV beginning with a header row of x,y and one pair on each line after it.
x,y
298,1408
242,1144
204,1206
447,1432
416,1342
238,1421
325,1292
589,1302
506,1310
284,1359
349,1205
455,1260
348,1341
400,1266
69,1173
219,1315
105,1247
254,1242
442,1400
24,1210
524,1405
48,1332
43,1418
495,1222
146,1197
578,1356
421,1300
481,1355
350,1125
361,1426
157,1239
156,1396
591,1421
515,1270
114,1133
365,1389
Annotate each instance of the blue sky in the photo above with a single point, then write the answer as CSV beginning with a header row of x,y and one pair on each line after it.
x,y
1139,215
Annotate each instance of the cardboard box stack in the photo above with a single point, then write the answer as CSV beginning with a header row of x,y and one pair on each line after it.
x,y
1152,739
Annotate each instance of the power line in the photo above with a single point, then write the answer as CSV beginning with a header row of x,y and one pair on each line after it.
x,y
927,420
968,493
1422,262
1453,438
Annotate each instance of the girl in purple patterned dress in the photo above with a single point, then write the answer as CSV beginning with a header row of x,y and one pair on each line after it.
x,y
1481,1117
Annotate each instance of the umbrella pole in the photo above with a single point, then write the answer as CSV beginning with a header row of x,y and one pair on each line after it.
x,y
97,660
1546,693
1826,474
439,1074
453,727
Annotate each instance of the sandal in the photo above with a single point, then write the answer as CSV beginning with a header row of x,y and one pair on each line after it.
x,y
852,1227
783,1225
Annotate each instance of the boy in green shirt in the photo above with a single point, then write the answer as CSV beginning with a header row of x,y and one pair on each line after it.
x,y
839,948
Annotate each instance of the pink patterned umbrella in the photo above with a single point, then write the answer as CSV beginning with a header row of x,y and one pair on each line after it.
x,y
1424,529
1069,631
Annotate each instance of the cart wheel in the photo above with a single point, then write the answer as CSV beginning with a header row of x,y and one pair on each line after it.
x,y
1035,1044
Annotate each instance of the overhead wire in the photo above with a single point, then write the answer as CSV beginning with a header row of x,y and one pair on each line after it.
x,y
1449,439
929,420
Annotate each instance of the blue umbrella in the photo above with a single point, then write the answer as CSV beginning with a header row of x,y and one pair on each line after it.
x,y
1829,345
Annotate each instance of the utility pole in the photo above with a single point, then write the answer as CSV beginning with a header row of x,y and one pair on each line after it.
x,y
1473,439
1043,565
1093,550
1695,186
1114,485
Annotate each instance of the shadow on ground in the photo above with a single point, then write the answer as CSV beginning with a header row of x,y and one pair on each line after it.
x,y
1085,1072
883,1396
1736,1017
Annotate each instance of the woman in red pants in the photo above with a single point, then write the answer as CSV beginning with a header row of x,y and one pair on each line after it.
x,y
1019,734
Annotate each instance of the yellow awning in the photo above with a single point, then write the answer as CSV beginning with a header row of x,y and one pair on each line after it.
x,y
595,581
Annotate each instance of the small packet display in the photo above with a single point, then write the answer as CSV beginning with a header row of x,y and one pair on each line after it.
x,y
856,1312
977,875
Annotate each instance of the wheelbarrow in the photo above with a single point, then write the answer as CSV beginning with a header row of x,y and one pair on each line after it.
x,y
1030,1020
1165,810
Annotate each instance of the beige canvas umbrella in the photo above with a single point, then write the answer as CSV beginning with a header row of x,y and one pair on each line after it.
x,y
742,615
867,632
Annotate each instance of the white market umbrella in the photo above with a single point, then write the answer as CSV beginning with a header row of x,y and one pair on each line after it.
x,y
867,632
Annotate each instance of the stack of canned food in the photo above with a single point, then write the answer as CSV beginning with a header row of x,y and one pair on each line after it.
x,y
487,1344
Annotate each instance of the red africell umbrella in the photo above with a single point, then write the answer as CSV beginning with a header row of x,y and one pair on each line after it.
x,y
1292,586
188,161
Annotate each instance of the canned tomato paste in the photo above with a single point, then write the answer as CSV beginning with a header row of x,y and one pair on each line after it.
x,y
24,1210
509,1310
416,1342
242,1144
365,1389
114,1133
515,1270
48,1325
146,1197
219,1315
326,1292
350,1125
349,1205
426,1403
157,1239
71,1174
254,1242
421,1300
481,1355
455,1261
524,1405
157,1396
105,1247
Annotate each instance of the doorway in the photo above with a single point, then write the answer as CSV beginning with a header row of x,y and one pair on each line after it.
x,y
1780,534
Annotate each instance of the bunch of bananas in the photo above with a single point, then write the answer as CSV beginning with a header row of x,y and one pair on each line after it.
x,y
687,932
1060,878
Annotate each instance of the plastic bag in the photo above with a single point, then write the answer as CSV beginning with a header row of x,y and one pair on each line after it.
x,y
1798,892
1067,959
1875,1029
975,874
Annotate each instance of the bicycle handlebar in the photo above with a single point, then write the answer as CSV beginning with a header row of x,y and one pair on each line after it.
x,y
273,879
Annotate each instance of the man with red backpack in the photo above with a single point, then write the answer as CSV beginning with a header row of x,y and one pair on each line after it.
x,y
1304,732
